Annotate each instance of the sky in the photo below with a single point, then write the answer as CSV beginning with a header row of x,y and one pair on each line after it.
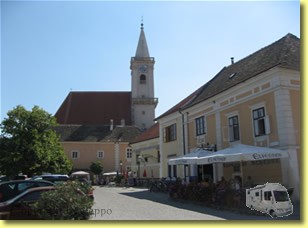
x,y
49,48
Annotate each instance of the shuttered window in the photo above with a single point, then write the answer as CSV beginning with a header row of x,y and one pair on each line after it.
x,y
200,126
260,122
170,133
234,129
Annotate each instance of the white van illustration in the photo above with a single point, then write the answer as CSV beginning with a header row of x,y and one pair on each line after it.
x,y
271,198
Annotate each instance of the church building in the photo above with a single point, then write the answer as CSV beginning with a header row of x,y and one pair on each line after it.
x,y
99,125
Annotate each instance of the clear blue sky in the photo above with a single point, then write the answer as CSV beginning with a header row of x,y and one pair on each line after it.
x,y
50,48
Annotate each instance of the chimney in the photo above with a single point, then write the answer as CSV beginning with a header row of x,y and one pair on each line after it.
x,y
111,125
232,60
122,122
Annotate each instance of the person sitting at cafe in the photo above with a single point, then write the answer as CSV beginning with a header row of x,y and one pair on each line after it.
x,y
205,183
222,184
221,189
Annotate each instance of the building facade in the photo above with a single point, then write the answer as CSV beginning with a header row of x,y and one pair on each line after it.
x,y
110,146
254,101
146,155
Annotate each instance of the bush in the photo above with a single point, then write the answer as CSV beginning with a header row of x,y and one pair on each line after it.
x,y
83,185
66,202
118,179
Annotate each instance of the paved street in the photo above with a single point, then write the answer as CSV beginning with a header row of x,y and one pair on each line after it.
x,y
139,204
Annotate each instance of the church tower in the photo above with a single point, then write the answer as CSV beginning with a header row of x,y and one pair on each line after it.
x,y
142,73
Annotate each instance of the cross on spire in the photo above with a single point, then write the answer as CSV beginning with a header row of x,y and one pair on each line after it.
x,y
141,22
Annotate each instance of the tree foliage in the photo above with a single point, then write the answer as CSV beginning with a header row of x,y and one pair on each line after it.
x,y
29,144
96,168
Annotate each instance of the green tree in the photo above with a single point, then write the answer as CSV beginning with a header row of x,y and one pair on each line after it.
x,y
29,144
96,168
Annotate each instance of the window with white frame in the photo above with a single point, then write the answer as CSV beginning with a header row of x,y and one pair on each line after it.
x,y
200,126
129,153
234,130
100,154
75,154
260,122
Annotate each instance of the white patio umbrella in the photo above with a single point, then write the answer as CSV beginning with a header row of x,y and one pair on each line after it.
x,y
190,158
241,152
110,174
81,174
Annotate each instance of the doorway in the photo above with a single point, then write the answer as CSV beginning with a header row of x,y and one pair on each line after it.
x,y
205,171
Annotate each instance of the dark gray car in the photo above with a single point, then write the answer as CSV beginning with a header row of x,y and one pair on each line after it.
x,y
10,189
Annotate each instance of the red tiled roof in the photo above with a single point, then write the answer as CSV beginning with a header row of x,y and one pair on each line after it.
x,y
96,133
95,108
284,53
151,133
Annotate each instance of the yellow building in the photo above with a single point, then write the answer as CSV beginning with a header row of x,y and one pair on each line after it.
x,y
84,144
254,101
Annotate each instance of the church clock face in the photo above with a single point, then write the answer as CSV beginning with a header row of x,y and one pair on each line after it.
x,y
143,68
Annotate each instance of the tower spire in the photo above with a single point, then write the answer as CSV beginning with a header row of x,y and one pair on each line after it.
x,y
142,75
142,48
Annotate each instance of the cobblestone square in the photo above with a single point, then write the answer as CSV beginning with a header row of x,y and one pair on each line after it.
x,y
118,203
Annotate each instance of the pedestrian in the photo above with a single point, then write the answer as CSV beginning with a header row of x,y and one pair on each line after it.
x,y
237,192
135,178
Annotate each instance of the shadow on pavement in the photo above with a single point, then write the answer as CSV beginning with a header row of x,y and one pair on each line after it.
x,y
163,198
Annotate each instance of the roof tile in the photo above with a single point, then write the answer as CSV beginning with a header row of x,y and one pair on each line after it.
x,y
96,133
95,108
151,133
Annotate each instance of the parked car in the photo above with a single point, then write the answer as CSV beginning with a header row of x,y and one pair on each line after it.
x,y
20,177
20,206
54,178
10,189
4,178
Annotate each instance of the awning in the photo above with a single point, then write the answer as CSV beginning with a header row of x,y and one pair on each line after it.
x,y
241,152
190,158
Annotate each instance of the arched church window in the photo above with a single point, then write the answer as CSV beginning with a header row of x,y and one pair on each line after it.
x,y
142,79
